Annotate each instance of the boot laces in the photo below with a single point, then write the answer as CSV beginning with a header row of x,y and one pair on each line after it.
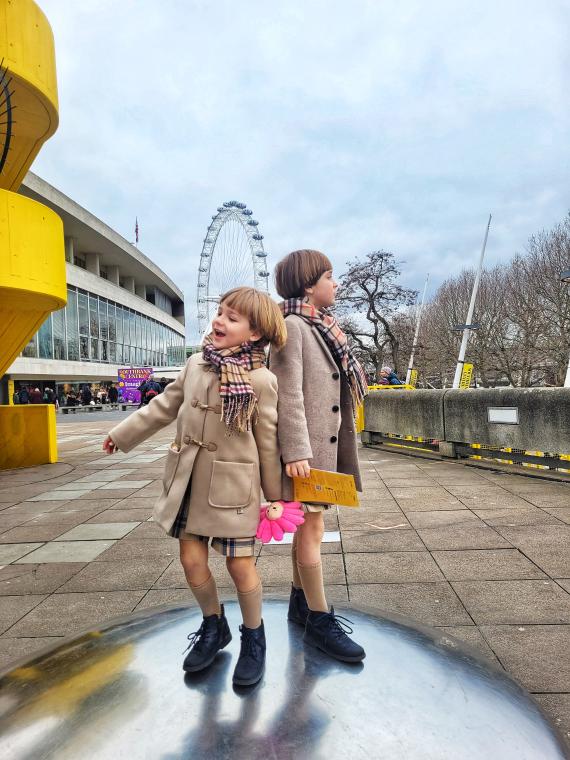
x,y
249,645
196,636
340,626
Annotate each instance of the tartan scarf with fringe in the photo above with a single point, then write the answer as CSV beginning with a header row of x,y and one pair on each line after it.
x,y
239,402
337,342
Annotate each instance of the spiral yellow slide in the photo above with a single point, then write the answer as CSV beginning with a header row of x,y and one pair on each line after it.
x,y
32,258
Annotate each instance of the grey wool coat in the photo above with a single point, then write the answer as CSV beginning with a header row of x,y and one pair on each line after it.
x,y
316,420
227,471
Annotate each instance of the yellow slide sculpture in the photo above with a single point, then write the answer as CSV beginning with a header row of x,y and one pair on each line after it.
x,y
32,258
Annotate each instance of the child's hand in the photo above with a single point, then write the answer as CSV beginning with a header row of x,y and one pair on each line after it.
x,y
109,445
298,469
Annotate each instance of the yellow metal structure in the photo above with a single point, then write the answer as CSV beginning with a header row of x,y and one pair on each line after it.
x,y
32,258
32,275
27,51
28,435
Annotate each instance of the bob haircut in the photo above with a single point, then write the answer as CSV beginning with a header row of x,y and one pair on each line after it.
x,y
300,270
262,312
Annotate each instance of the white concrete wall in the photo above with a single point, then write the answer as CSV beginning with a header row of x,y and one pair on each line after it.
x,y
26,368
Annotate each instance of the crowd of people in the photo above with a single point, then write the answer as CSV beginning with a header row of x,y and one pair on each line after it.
x,y
86,394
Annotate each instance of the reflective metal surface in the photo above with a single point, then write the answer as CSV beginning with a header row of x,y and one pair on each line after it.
x,y
121,693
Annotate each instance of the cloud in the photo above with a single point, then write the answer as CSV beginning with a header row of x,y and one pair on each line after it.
x,y
345,126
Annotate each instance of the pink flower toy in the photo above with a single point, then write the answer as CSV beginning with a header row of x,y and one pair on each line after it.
x,y
279,518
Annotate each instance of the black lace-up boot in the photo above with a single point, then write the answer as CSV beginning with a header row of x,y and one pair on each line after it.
x,y
251,663
328,632
214,634
298,607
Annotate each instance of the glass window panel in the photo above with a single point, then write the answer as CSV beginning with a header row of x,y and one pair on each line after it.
x,y
59,342
119,324
103,319
45,340
94,350
83,308
93,317
84,347
32,348
112,322
112,352
137,340
71,326
130,337
104,351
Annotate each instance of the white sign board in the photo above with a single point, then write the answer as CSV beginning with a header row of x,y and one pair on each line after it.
x,y
503,415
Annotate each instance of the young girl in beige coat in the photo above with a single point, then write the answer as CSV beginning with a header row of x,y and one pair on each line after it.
x,y
320,386
226,449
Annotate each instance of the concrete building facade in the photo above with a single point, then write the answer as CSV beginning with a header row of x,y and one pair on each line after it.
x,y
122,309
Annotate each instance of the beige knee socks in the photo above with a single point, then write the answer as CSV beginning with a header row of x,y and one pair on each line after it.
x,y
312,580
206,595
250,605
297,583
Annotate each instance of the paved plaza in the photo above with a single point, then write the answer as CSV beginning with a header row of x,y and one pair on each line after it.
x,y
481,555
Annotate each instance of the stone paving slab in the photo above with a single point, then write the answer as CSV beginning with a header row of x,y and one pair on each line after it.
x,y
481,555
486,564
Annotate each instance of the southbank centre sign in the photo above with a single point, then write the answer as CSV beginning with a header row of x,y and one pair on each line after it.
x,y
128,382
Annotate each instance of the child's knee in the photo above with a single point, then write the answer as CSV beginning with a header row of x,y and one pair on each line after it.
x,y
193,559
240,568
313,528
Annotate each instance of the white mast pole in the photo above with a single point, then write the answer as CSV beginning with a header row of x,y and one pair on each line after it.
x,y
466,329
417,333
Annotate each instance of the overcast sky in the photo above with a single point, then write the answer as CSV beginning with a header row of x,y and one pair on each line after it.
x,y
345,126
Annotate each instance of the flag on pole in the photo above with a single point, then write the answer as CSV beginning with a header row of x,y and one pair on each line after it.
x,y
136,230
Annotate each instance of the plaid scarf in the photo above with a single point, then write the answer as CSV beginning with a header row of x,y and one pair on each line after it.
x,y
239,402
337,342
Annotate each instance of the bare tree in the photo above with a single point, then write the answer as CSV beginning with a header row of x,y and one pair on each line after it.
x,y
369,299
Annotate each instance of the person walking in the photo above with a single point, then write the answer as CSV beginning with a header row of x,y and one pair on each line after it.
x,y
86,395
36,396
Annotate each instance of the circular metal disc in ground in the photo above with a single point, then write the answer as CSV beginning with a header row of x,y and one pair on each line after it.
x,y
121,693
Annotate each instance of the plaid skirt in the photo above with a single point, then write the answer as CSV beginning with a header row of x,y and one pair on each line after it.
x,y
227,547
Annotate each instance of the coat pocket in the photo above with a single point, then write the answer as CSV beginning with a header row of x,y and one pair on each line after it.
x,y
231,485
172,459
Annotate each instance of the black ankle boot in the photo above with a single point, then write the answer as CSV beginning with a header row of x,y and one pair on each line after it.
x,y
251,663
298,607
214,634
326,631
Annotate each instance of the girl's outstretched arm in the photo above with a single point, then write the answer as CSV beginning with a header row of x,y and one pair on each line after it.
x,y
161,411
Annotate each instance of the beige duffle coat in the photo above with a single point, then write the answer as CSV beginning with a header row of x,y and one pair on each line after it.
x,y
316,420
228,471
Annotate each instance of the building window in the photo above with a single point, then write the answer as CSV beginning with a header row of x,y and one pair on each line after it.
x,y
72,326
31,349
79,261
59,340
45,342
83,308
103,272
93,317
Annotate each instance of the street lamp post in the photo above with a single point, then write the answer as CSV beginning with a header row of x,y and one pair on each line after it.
x,y
565,277
467,328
